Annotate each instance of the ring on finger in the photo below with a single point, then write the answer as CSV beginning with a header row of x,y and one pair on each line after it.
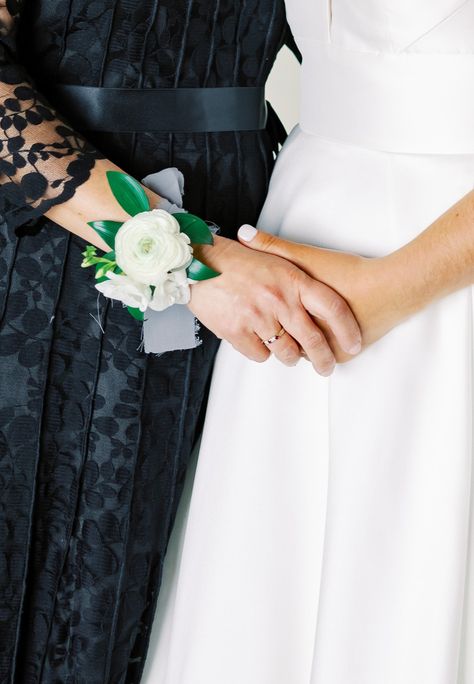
x,y
276,337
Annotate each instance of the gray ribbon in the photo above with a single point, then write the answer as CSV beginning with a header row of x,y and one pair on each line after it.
x,y
175,328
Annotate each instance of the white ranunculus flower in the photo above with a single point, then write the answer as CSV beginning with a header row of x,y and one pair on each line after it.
x,y
150,244
173,290
126,290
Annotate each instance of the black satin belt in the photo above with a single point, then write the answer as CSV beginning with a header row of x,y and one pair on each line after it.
x,y
198,110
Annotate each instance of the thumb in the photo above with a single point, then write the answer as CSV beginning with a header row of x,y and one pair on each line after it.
x,y
264,242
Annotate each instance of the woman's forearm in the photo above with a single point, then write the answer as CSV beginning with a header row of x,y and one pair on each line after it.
x,y
92,201
438,261
384,291
43,157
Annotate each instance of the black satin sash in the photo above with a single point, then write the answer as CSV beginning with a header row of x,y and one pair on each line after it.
x,y
199,110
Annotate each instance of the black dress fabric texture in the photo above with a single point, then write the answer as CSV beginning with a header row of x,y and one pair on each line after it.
x,y
95,435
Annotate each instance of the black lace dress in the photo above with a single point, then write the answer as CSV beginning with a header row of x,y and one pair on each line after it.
x,y
95,435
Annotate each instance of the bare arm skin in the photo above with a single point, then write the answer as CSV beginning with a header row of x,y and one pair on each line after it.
x,y
92,201
254,297
384,291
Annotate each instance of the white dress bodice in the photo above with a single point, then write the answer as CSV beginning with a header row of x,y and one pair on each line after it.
x,y
394,26
398,67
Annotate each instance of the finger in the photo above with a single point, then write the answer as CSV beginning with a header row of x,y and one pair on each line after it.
x,y
250,346
312,340
265,242
324,303
285,348
341,356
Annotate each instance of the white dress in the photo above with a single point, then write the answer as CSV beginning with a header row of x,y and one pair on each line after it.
x,y
329,538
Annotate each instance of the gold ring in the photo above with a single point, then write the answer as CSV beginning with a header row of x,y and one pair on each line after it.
x,y
275,338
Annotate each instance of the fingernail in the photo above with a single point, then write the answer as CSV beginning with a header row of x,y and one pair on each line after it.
x,y
356,348
247,232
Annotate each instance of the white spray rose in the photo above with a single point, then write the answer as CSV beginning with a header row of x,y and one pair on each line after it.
x,y
173,290
150,244
126,290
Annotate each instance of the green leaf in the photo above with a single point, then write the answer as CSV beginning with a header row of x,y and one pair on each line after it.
x,y
136,313
106,229
199,271
195,228
128,192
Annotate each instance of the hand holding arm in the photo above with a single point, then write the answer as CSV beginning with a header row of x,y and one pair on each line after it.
x,y
384,291
256,295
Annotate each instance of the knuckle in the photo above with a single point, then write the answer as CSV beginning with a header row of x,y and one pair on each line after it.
x,y
237,334
292,271
272,295
268,240
240,311
234,330
293,275
315,340
249,312
337,306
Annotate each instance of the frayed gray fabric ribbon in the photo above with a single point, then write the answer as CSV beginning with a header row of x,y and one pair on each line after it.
x,y
175,328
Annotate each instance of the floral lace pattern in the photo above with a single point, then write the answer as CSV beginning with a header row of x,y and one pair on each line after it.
x,y
42,159
95,436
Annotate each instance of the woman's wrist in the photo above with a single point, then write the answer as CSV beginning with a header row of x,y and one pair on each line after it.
x,y
440,260
407,275
212,255
90,200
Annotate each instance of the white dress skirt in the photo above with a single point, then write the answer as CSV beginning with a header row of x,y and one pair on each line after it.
x,y
329,535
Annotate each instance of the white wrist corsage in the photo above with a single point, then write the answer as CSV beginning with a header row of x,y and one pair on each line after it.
x,y
151,263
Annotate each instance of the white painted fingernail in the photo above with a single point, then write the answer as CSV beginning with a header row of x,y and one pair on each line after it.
x,y
247,232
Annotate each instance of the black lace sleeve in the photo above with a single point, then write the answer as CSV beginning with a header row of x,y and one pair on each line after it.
x,y
42,159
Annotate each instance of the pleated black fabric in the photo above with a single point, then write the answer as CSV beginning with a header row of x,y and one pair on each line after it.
x,y
95,435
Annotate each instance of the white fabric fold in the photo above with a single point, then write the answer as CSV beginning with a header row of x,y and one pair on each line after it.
x,y
393,102
174,328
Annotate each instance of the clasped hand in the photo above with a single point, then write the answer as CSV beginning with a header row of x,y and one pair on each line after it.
x,y
258,294
376,289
